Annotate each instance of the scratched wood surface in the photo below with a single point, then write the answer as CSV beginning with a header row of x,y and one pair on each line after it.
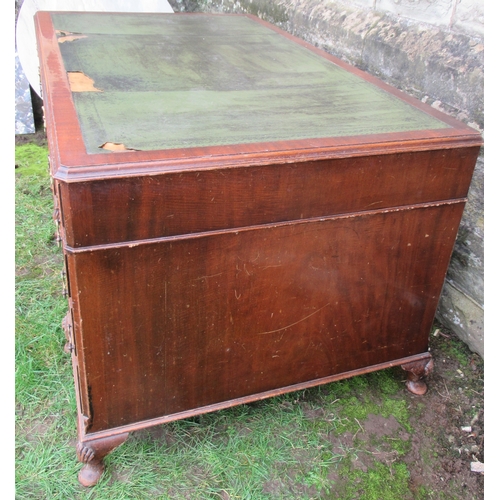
x,y
164,82
195,321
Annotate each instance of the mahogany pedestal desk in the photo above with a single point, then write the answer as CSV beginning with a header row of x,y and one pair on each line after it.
x,y
241,215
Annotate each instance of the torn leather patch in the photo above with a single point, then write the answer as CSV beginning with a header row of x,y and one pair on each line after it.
x,y
80,82
67,36
114,146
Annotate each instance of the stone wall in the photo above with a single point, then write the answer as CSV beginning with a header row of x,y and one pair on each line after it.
x,y
431,49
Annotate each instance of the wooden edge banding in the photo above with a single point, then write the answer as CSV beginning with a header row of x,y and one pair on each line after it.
x,y
126,163
53,76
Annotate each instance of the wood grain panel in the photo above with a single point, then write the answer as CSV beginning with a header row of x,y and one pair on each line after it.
x,y
130,209
194,321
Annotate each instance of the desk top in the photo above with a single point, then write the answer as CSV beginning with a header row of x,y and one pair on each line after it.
x,y
197,85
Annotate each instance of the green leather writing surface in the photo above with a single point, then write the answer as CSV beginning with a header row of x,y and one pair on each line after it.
x,y
173,81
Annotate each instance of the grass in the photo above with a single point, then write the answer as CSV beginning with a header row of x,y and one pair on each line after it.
x,y
312,444
42,372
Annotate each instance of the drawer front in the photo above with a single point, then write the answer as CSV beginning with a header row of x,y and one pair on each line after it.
x,y
177,324
139,208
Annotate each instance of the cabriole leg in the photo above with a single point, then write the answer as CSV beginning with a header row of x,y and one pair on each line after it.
x,y
417,371
92,453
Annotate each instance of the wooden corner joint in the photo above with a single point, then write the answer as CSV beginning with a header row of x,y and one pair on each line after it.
x,y
417,371
92,453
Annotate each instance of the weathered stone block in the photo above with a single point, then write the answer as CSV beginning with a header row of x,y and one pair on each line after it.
x,y
463,316
466,271
469,16
436,12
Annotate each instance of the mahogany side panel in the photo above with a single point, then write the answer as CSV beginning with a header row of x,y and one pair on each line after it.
x,y
180,323
136,208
